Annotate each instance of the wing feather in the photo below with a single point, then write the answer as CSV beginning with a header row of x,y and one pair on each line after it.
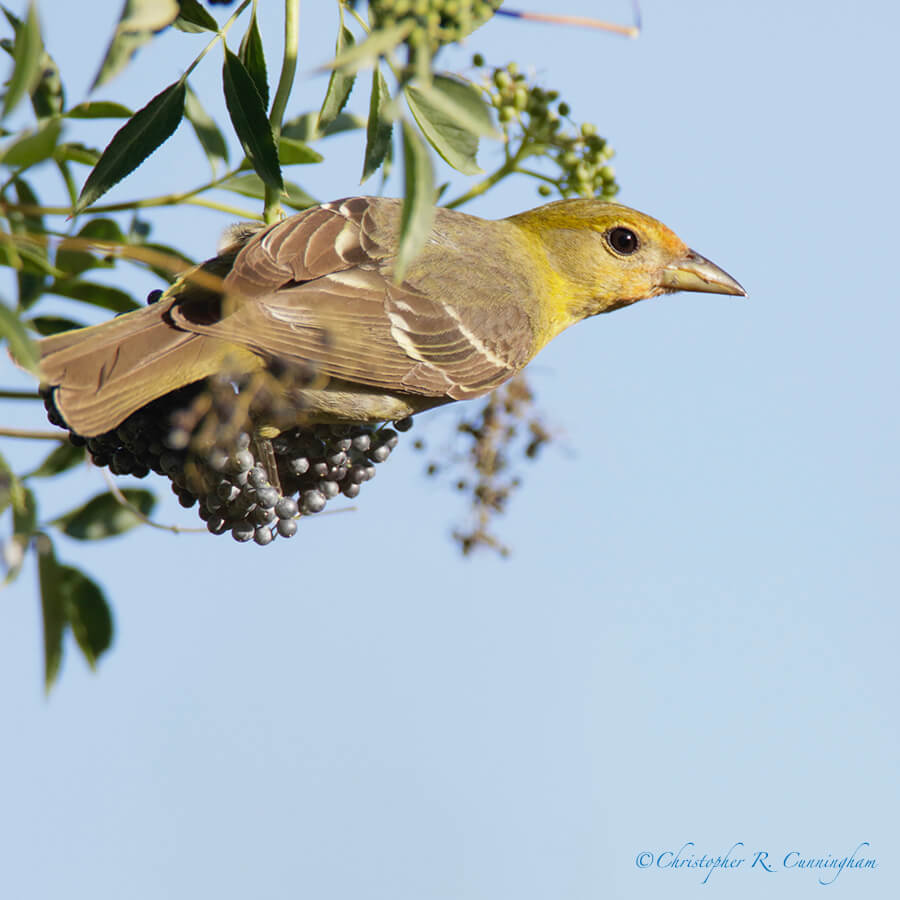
x,y
318,287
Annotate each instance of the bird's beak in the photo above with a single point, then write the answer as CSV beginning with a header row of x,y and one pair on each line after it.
x,y
694,272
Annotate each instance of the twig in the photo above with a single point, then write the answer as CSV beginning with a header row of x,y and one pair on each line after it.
x,y
173,199
166,261
19,395
631,31
32,435
124,501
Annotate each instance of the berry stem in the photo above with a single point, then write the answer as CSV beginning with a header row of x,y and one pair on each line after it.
x,y
510,165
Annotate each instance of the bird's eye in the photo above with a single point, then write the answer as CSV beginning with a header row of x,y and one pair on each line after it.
x,y
622,240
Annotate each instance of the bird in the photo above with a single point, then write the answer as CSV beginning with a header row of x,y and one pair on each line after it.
x,y
320,289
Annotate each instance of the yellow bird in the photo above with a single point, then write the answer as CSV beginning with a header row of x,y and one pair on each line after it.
x,y
480,300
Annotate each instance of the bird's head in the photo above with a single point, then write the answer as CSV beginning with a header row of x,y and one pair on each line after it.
x,y
612,256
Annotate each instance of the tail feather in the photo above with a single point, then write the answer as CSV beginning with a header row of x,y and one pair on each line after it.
x,y
106,372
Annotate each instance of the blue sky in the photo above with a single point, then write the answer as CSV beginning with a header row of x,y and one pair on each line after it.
x,y
694,640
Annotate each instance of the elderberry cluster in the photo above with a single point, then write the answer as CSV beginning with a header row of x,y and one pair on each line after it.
x,y
434,22
252,487
255,494
533,118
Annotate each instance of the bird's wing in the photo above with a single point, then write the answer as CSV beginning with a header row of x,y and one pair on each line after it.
x,y
317,288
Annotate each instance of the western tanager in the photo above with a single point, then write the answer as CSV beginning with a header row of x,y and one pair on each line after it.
x,y
480,300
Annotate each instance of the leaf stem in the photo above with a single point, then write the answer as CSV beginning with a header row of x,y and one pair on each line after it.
x,y
220,36
273,209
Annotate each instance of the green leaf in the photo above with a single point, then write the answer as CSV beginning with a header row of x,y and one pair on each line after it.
x,y
24,528
101,295
295,153
31,286
252,55
28,51
417,214
139,21
295,197
53,607
379,128
30,283
121,49
11,490
451,114
192,17
303,128
65,172
208,134
250,185
99,109
24,257
104,516
47,325
21,346
75,152
34,146
24,516
147,15
102,229
48,98
69,599
75,261
143,133
248,115
179,257
64,457
377,44
87,613
179,261
16,24
339,84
